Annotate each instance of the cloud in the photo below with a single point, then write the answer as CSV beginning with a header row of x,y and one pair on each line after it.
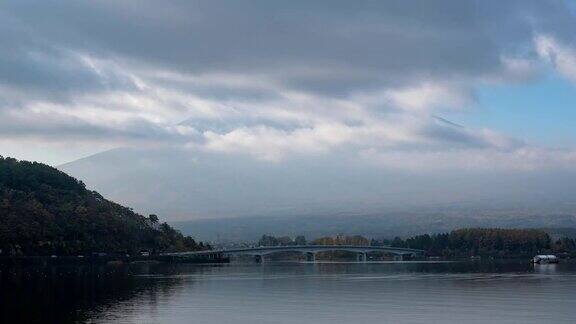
x,y
273,80
429,96
483,160
326,47
560,55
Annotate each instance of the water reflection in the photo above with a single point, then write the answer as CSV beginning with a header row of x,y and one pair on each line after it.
x,y
71,294
513,291
546,268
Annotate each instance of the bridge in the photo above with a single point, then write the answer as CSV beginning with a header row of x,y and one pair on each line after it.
x,y
309,250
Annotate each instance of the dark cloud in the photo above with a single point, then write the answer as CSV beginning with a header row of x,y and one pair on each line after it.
x,y
320,46
286,74
79,129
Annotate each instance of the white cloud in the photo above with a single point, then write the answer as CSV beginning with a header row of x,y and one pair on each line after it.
x,y
429,96
394,127
270,84
560,55
273,144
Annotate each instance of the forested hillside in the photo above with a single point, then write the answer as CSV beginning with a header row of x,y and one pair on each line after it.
x,y
43,211
465,242
495,242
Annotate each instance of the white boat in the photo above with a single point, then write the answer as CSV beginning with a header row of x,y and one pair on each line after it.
x,y
544,259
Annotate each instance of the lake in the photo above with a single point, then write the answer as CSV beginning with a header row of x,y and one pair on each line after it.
x,y
396,292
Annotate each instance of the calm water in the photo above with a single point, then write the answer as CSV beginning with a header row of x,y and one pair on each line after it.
x,y
291,293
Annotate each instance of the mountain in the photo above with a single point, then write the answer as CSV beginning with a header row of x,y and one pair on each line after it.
x,y
214,191
381,226
185,184
44,211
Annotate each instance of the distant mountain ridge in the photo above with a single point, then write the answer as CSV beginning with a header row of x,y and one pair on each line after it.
x,y
383,226
185,185
225,197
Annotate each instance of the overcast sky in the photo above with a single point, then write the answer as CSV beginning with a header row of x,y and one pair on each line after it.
x,y
419,85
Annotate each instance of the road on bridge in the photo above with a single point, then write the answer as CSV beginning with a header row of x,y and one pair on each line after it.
x,y
309,250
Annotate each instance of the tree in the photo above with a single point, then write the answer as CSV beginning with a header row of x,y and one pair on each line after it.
x,y
153,218
284,240
300,240
494,242
44,211
268,240
397,242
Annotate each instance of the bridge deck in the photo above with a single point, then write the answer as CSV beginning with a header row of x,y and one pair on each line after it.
x,y
263,250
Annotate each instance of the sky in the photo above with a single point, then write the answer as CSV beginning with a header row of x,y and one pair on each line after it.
x,y
425,86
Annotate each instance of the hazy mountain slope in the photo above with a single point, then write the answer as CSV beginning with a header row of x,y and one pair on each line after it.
x,y
183,185
374,226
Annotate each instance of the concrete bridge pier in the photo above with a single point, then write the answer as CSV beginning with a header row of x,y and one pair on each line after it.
x,y
310,257
259,258
362,257
398,257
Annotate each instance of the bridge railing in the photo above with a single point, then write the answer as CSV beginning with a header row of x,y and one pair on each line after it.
x,y
261,250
